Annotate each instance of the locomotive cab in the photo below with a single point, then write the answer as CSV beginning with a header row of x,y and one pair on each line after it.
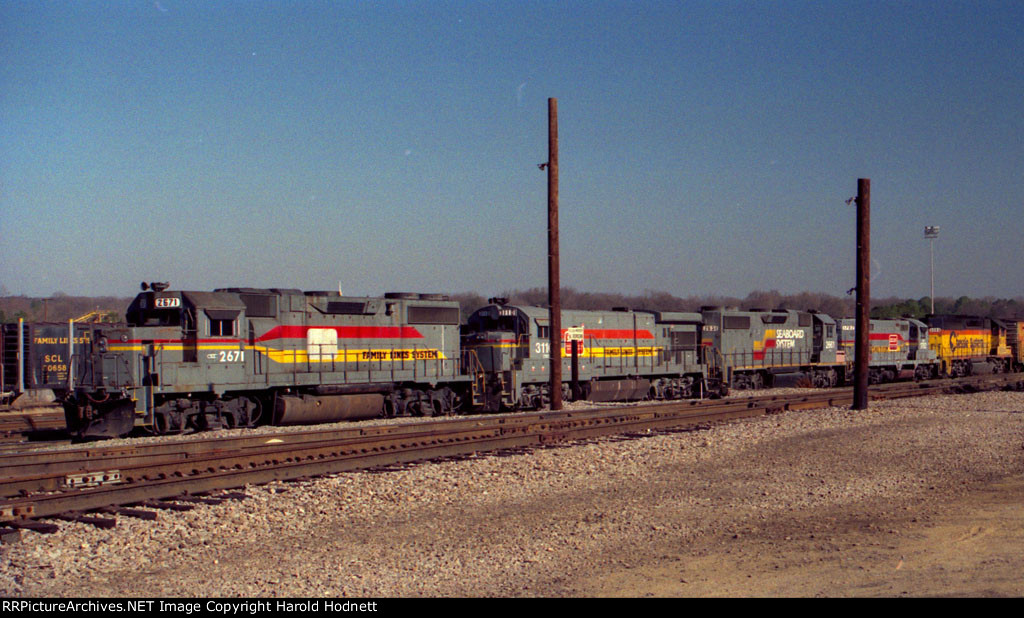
x,y
174,342
825,340
498,335
918,338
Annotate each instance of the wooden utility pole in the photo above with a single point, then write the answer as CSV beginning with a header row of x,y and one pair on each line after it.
x,y
554,297
862,347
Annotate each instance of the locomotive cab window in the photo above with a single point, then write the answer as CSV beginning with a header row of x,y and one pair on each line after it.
x,y
154,317
222,328
222,322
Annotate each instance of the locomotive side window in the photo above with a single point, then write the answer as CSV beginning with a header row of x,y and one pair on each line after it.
x,y
222,322
222,328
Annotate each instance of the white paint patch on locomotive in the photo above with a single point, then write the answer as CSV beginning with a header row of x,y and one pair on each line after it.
x,y
321,344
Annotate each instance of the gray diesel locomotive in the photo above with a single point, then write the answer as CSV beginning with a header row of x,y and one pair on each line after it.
x,y
232,357
235,357
758,346
187,360
620,355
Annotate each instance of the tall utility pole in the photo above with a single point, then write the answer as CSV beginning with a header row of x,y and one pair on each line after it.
x,y
862,348
554,297
931,232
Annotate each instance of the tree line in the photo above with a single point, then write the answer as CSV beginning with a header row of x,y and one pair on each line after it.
x,y
835,306
61,307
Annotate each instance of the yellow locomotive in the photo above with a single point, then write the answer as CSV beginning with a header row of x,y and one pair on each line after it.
x,y
969,345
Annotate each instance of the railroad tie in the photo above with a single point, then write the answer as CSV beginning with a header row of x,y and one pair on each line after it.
x,y
100,522
195,500
166,506
136,513
34,526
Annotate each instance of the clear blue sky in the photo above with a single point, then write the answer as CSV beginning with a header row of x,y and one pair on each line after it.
x,y
705,147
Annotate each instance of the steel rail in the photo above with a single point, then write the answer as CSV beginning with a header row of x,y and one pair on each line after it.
x,y
98,458
272,457
280,464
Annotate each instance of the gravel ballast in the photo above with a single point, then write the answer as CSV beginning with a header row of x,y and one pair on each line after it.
x,y
589,519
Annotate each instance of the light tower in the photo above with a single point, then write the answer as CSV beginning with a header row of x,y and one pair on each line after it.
x,y
931,232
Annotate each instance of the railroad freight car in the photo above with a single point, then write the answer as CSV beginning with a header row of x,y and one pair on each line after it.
x,y
621,355
756,346
898,349
36,357
231,357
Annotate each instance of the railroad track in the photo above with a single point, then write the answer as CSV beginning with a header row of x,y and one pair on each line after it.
x,y
79,483
17,425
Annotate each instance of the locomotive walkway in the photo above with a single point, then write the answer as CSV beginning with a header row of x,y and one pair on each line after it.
x,y
79,483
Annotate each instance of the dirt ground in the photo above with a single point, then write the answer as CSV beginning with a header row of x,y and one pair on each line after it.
x,y
909,498
971,545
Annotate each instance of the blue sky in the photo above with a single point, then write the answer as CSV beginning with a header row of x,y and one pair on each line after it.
x,y
705,147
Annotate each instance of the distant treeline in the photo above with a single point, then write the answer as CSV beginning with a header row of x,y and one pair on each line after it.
x,y
1006,308
835,306
61,307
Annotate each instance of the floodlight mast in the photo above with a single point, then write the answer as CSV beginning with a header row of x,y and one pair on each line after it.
x,y
931,232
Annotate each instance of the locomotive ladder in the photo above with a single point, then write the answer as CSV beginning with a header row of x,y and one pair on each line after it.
x,y
472,365
9,357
